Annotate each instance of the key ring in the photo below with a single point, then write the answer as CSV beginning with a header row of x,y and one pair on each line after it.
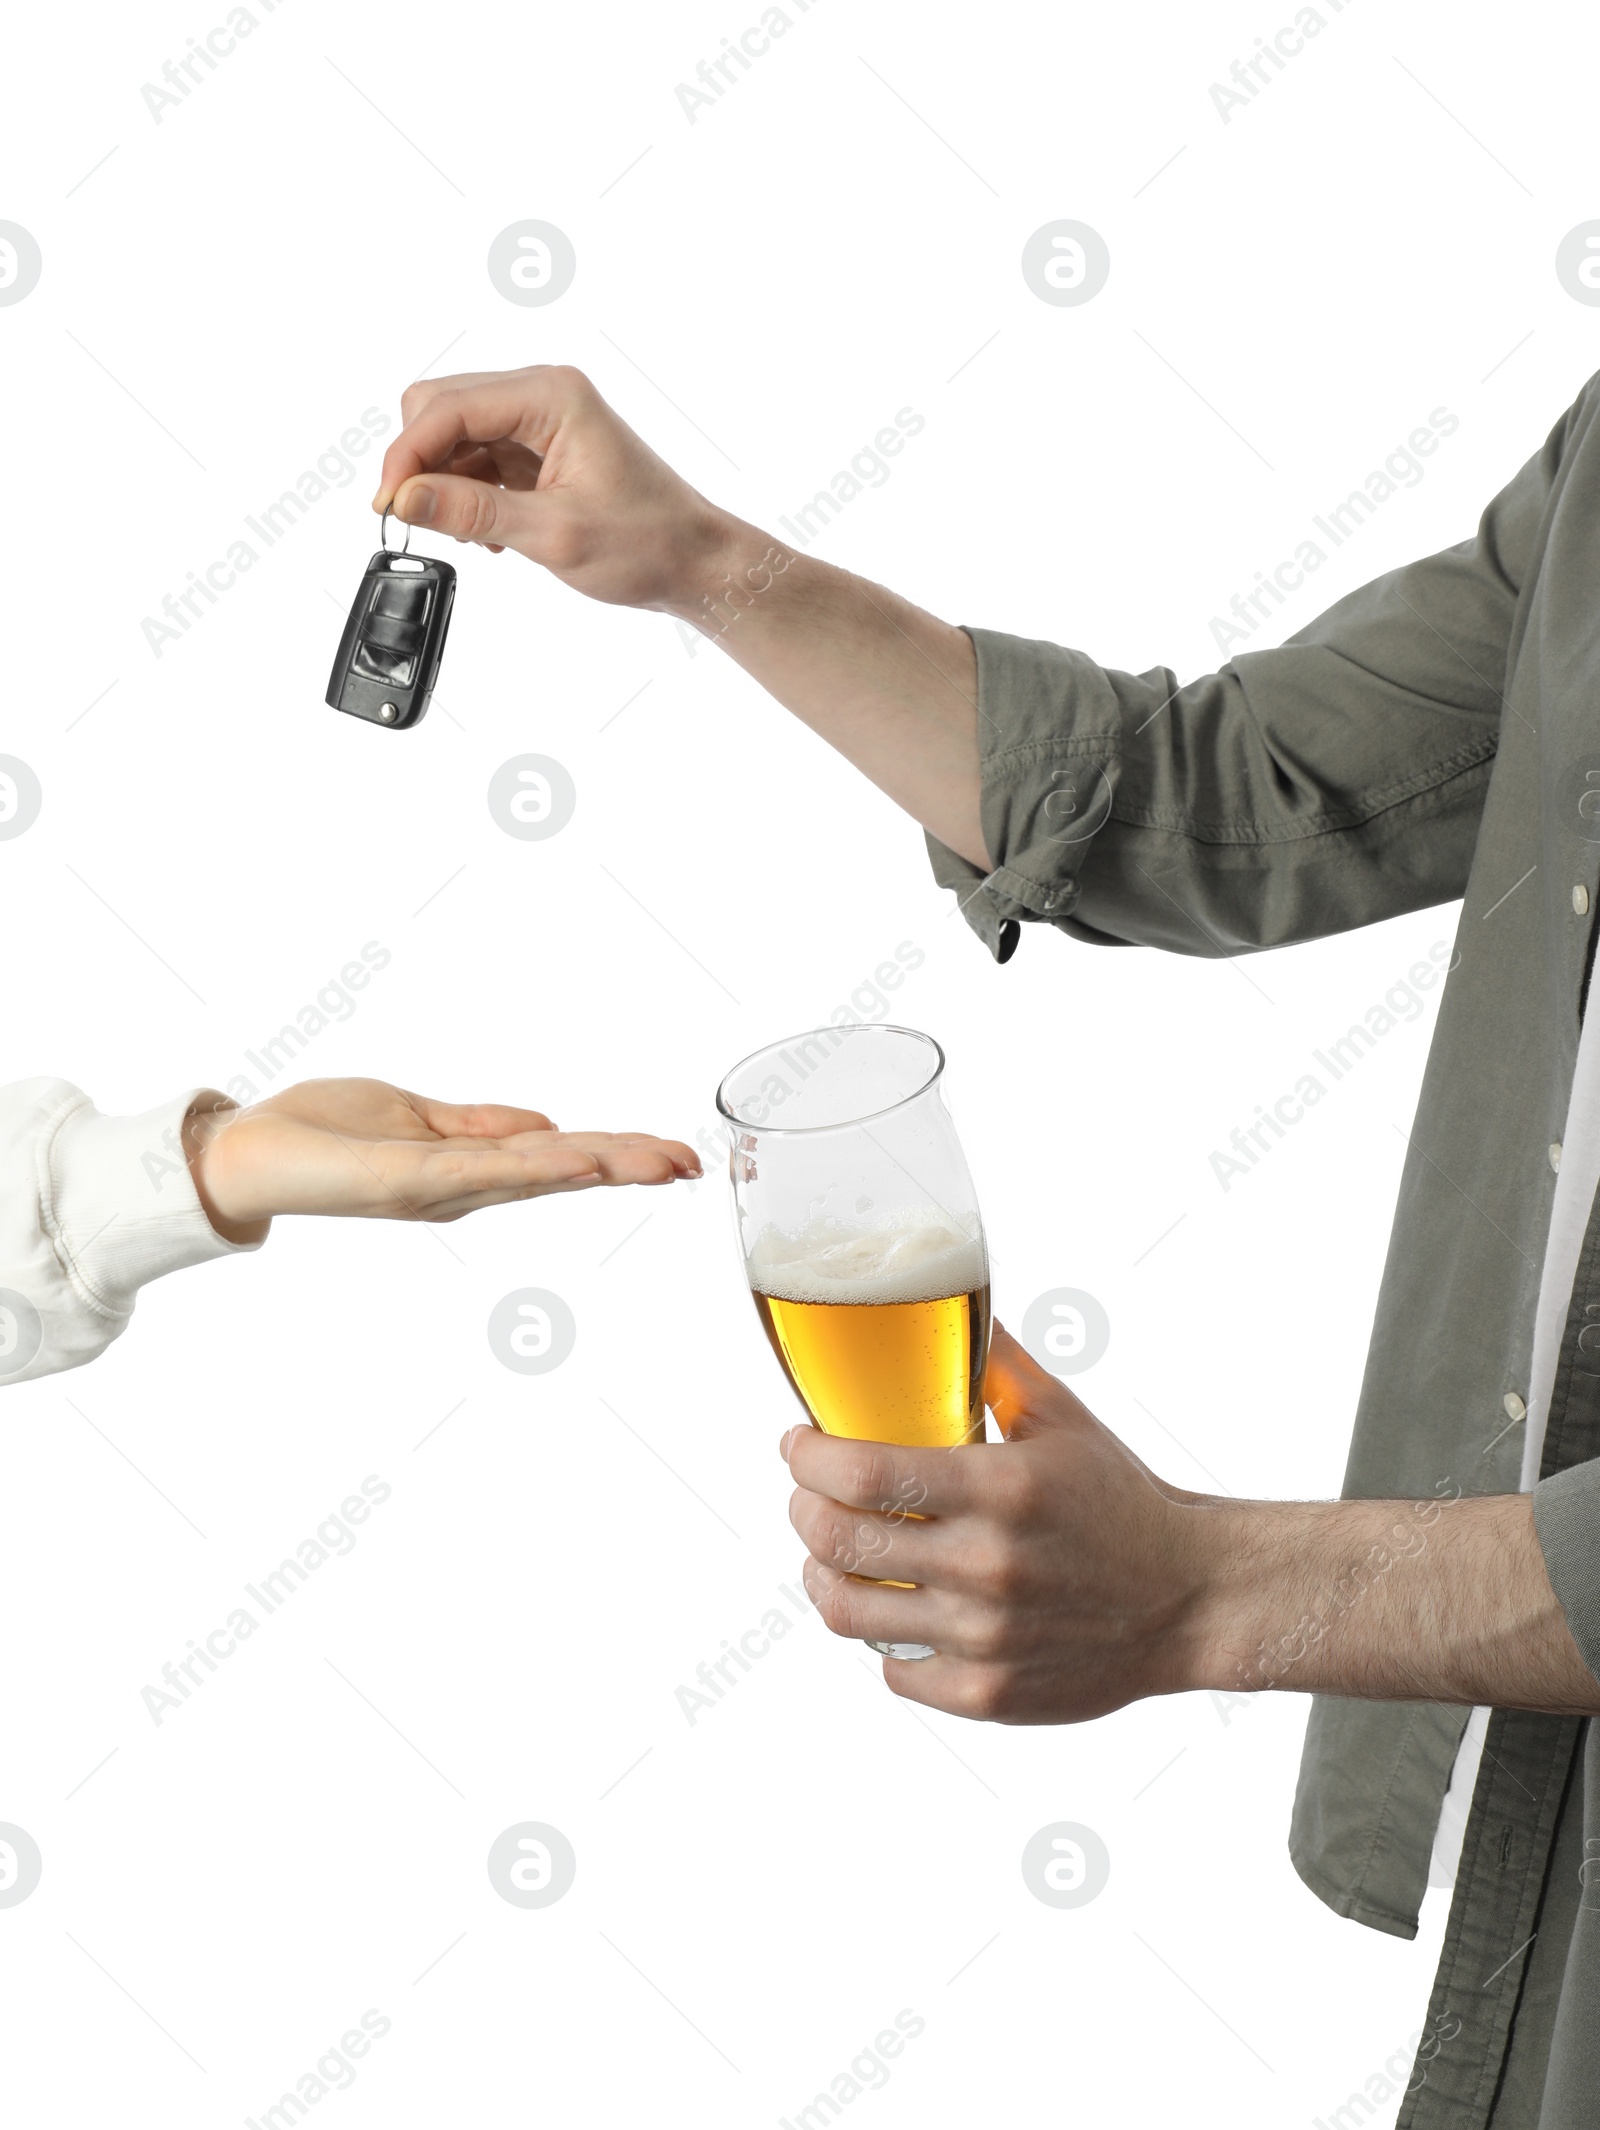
x,y
383,533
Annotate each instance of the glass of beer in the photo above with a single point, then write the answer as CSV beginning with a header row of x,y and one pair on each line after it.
x,y
861,1239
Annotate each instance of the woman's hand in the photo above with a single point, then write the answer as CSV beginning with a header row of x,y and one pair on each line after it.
x,y
363,1148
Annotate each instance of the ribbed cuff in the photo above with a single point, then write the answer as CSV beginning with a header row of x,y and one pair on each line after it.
x,y
121,1207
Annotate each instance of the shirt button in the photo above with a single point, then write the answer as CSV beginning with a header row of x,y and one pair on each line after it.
x,y
1514,1406
1580,898
1555,1155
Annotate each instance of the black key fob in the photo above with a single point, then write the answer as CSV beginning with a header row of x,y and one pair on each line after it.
x,y
394,638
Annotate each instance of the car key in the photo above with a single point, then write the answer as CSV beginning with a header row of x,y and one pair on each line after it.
x,y
388,658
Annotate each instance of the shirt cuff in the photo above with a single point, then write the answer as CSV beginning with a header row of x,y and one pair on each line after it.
x,y
120,1206
1566,1516
974,897
1049,726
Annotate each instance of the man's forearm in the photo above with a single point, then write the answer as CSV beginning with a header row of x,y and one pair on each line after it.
x,y
1059,1578
557,476
1386,1600
894,689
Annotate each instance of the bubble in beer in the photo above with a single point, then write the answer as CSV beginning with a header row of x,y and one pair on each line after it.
x,y
883,1331
901,1261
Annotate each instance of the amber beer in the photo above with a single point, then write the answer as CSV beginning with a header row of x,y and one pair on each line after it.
x,y
883,1333
860,1235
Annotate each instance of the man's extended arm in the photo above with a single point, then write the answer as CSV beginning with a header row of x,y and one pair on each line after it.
x,y
894,689
1058,1578
1333,781
536,461
1329,782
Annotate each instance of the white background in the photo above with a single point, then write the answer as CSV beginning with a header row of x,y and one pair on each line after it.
x,y
839,237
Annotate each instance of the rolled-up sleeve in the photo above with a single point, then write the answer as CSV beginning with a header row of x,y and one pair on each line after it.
x,y
1330,782
1566,1516
92,1208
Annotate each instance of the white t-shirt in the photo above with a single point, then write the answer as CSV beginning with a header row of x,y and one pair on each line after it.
x,y
1576,1181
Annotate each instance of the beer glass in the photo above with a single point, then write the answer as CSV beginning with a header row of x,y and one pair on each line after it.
x,y
861,1239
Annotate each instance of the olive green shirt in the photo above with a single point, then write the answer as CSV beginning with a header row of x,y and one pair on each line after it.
x,y
1427,738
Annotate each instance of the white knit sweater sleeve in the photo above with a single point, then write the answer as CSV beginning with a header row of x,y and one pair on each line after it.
x,y
91,1209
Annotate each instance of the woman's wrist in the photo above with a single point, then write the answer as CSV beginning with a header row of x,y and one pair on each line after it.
x,y
220,1183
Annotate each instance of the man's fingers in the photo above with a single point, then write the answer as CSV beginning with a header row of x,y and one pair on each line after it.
x,y
448,504
474,462
422,390
425,390
527,406
867,1612
1025,1398
550,529
983,1693
959,1678
505,463
880,1476
857,1542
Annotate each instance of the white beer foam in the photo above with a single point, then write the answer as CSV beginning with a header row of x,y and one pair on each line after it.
x,y
824,1262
